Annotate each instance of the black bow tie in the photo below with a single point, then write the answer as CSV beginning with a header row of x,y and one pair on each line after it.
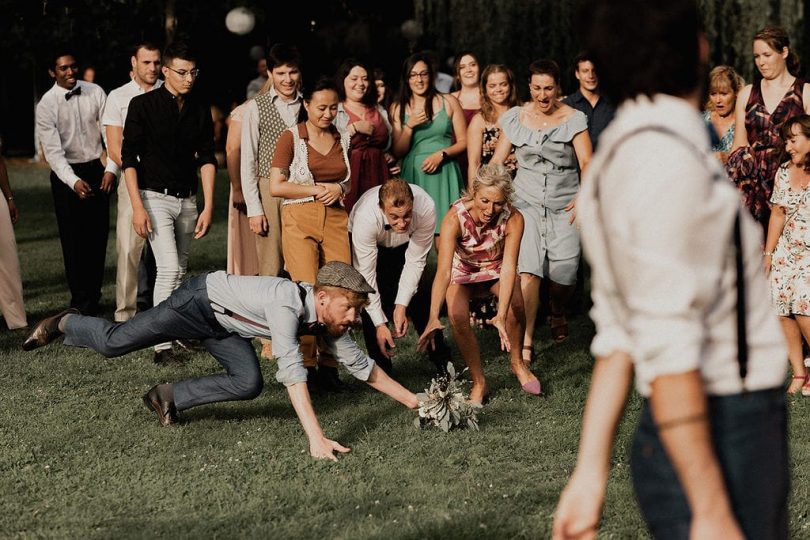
x,y
75,92
387,227
312,329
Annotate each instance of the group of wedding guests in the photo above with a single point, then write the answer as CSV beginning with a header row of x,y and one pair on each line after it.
x,y
502,178
498,178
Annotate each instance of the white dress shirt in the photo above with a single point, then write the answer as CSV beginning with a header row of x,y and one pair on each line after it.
x,y
250,146
115,111
70,129
367,226
660,244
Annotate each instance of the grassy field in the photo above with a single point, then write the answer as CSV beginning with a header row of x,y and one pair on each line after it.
x,y
80,456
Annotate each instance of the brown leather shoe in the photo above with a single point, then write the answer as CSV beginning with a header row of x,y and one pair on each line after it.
x,y
46,330
158,399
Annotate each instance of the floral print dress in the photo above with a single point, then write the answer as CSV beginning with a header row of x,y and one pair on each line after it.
x,y
790,267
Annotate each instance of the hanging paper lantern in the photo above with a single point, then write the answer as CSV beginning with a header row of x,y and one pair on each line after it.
x,y
240,21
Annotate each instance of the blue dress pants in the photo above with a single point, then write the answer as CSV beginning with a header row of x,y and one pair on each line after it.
x,y
185,314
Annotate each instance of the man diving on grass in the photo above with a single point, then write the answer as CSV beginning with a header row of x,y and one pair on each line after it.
x,y
225,312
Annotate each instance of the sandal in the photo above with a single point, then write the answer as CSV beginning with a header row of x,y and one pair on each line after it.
x,y
801,388
532,355
559,328
806,387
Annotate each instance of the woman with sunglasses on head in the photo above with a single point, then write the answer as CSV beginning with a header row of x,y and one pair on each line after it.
x,y
424,123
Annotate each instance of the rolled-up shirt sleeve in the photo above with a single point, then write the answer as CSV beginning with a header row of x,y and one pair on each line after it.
x,y
134,135
346,351
48,134
283,323
670,269
249,156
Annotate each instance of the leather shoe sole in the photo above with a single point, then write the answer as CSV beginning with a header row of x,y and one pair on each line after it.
x,y
46,330
164,408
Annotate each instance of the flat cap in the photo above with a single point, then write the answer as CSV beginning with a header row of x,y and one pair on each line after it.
x,y
340,274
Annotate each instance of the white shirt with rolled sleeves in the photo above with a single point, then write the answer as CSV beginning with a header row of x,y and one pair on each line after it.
x,y
115,111
664,286
367,228
276,303
70,129
249,151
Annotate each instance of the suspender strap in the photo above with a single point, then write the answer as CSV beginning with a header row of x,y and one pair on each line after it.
x,y
229,313
742,340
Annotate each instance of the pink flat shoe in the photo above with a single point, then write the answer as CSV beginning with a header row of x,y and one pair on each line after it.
x,y
532,387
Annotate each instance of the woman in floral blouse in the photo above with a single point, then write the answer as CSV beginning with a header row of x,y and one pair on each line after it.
x,y
787,249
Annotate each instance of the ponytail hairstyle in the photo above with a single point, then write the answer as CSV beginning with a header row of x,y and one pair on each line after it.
x,y
777,39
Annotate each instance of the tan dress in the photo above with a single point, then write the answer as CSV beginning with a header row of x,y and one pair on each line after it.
x,y
242,258
11,299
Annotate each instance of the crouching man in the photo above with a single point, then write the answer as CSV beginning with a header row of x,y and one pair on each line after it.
x,y
225,312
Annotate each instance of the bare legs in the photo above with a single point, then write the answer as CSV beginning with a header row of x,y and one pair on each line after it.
x,y
458,311
794,329
530,287
559,295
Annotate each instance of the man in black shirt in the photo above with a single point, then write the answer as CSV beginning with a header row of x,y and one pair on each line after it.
x,y
168,134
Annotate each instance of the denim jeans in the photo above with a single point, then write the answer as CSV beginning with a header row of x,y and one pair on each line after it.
x,y
749,432
186,314
173,222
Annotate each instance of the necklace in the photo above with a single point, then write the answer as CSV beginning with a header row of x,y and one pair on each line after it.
x,y
545,118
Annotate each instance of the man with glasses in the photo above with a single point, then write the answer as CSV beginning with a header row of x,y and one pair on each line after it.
x,y
145,65
167,136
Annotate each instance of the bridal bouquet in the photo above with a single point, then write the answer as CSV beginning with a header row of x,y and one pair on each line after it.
x,y
444,404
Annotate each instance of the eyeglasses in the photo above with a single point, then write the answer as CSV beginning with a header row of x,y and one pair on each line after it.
x,y
421,75
193,72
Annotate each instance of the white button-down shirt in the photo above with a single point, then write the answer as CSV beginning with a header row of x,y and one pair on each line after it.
x,y
660,243
249,152
367,227
70,130
115,111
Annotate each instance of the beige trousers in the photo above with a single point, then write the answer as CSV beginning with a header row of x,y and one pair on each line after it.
x,y
128,246
268,248
314,234
11,299
242,258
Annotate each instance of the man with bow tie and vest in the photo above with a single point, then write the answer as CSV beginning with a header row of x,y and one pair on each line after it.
x,y
392,228
224,312
68,124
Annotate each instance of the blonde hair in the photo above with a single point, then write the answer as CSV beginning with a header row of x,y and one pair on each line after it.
x,y
724,77
491,175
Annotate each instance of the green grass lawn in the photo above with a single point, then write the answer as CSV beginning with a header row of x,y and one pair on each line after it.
x,y
80,456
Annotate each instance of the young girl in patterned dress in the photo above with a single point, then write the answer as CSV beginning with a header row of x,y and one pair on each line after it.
x,y
478,251
787,249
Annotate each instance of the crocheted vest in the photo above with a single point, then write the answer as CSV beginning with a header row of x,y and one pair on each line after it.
x,y
299,168
271,126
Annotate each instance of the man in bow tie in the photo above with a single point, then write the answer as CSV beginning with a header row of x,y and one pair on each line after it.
x,y
392,229
224,312
68,121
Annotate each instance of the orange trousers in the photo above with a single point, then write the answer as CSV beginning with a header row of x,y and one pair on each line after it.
x,y
312,235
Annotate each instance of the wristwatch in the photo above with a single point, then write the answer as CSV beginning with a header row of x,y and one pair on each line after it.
x,y
444,156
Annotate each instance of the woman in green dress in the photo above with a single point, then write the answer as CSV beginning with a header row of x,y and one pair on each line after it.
x,y
424,123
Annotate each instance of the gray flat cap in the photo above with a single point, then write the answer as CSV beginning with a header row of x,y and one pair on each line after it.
x,y
339,274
